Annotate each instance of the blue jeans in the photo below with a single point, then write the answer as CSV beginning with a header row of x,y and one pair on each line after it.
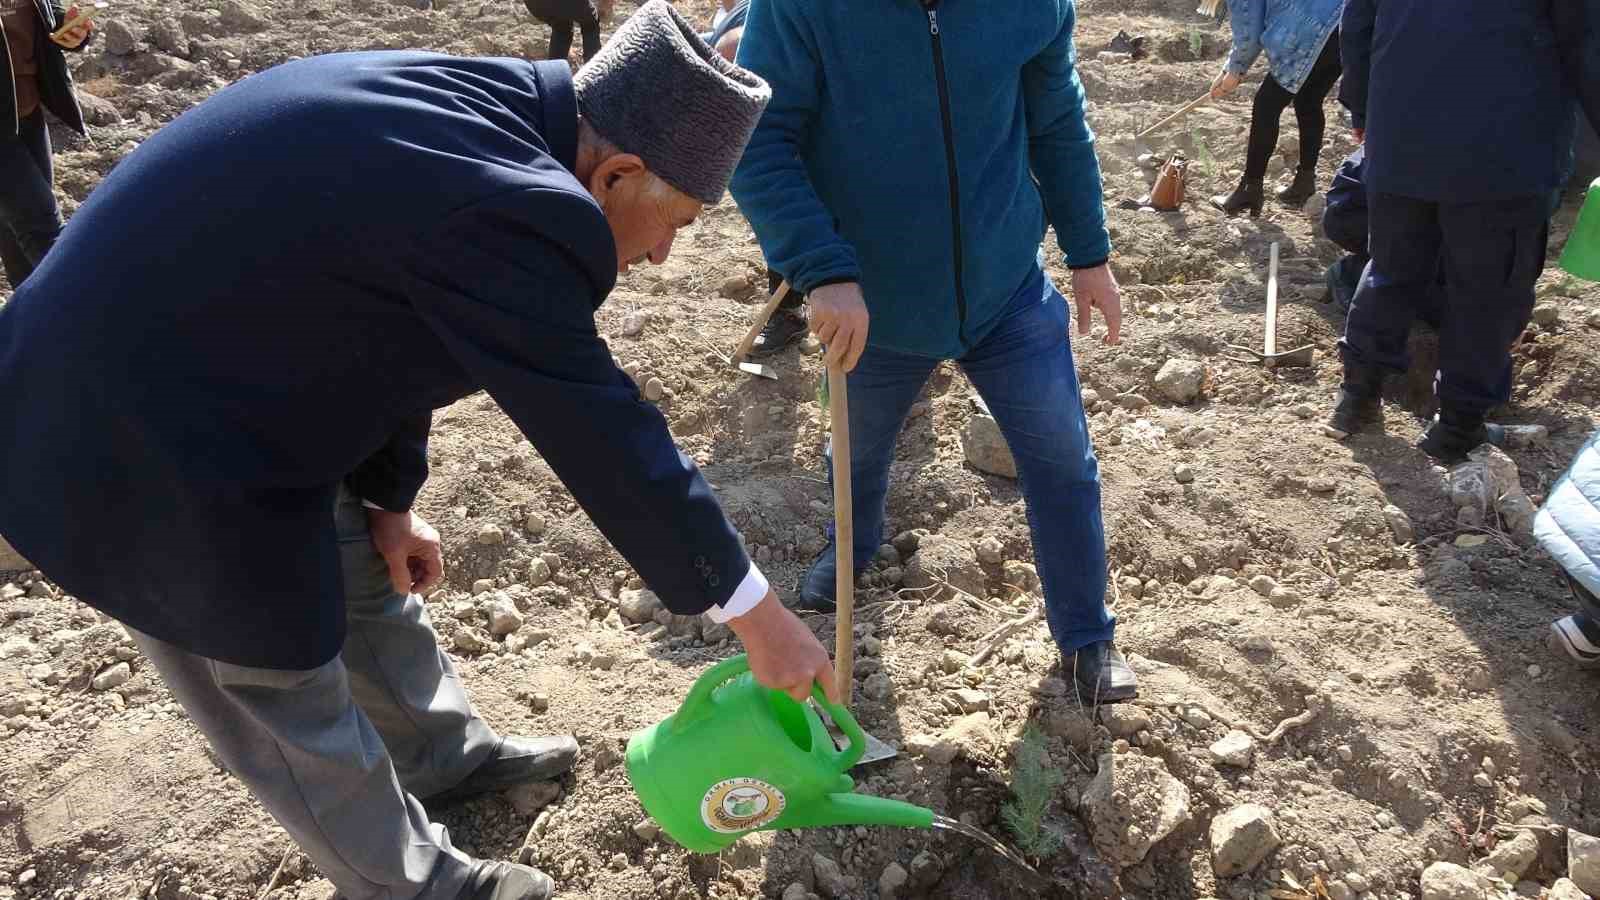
x,y
1024,371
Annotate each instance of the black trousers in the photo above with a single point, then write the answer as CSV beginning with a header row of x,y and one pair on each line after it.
x,y
793,301
561,35
1271,100
30,221
1491,252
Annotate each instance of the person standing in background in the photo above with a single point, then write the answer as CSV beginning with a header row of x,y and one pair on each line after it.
x,y
1301,40
562,15
30,221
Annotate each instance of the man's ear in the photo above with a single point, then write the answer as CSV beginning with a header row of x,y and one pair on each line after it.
x,y
611,171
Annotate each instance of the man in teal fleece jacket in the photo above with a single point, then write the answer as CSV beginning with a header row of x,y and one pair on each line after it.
x,y
902,177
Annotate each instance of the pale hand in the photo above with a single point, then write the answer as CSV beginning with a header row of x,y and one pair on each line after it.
x,y
72,38
784,655
1097,289
839,320
410,546
1226,83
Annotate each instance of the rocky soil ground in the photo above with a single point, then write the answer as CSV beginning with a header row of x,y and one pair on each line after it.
x,y
1341,646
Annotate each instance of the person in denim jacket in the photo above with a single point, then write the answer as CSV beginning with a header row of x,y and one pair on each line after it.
x,y
1301,40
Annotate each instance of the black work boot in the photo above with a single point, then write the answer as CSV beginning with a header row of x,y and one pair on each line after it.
x,y
494,880
818,587
1298,191
1452,435
1101,674
783,329
1358,404
515,760
1248,195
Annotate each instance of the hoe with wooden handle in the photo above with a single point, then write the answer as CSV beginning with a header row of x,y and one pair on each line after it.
x,y
749,341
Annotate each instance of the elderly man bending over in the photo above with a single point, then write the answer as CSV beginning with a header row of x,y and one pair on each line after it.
x,y
215,399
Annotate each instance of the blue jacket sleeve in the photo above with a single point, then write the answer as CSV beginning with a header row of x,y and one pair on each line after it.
x,y
1061,149
1248,19
392,477
770,185
514,305
1355,52
1577,28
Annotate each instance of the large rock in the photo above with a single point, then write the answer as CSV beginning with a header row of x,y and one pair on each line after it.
x,y
237,16
1131,805
1234,749
96,111
1565,889
1583,861
986,447
639,606
169,37
1399,524
1448,881
116,676
503,616
1241,838
1180,380
119,37
11,560
940,564
1512,858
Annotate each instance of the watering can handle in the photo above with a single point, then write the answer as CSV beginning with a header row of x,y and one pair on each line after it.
x,y
699,700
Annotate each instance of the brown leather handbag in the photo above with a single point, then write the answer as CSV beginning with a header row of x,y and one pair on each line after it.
x,y
1171,184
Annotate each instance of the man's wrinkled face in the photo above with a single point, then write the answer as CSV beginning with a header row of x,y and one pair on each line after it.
x,y
643,212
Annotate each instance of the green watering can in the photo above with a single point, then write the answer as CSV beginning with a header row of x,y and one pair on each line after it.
x,y
738,757
1582,255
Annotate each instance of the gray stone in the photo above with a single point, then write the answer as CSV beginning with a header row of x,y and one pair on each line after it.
x,y
633,323
237,16
1546,314
503,616
714,632
1399,524
491,534
1132,803
893,879
1020,575
990,551
796,891
1236,748
1124,720
971,700
116,676
986,447
539,573
586,655
940,561
647,830
121,40
1517,512
168,35
1583,861
639,606
1180,380
877,686
830,881
535,524
471,640
1566,889
926,870
530,797
1263,585
96,111
1183,472
1241,838
1514,856
654,389
1448,881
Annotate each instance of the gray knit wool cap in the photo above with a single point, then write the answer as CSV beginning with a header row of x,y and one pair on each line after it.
x,y
658,91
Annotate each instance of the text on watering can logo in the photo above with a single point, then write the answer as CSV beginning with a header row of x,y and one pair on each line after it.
x,y
740,804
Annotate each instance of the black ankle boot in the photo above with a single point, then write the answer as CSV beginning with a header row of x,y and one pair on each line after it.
x,y
1451,436
1248,195
1300,189
1358,404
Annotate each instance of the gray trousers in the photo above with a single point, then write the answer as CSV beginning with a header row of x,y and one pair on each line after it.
x,y
339,754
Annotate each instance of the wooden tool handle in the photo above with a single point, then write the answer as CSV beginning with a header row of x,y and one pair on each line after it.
x,y
844,654
760,323
1272,302
1174,117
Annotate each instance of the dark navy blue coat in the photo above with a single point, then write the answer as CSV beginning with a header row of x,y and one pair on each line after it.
x,y
1469,100
270,296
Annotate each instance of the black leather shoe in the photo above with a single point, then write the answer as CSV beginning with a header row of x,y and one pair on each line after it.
x,y
1449,439
783,329
514,761
1248,195
818,586
492,880
1101,674
1298,191
1359,404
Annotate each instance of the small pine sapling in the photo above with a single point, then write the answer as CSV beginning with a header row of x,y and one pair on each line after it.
x,y
1033,782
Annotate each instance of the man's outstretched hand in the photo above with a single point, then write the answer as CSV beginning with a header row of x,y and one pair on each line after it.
x,y
784,654
411,548
1096,288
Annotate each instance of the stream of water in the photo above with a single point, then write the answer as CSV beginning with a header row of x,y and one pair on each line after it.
x,y
983,837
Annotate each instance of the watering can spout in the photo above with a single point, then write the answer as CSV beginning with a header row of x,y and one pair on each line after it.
x,y
860,809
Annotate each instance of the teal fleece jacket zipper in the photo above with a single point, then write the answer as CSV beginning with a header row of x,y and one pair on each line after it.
x,y
848,174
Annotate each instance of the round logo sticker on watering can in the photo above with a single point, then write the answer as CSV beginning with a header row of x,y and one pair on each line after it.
x,y
740,804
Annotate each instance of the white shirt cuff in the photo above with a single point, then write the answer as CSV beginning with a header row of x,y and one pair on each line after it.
x,y
752,590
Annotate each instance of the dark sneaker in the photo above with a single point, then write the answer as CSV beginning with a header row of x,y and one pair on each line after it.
x,y
819,585
1101,674
1577,637
493,880
1450,442
516,760
784,328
